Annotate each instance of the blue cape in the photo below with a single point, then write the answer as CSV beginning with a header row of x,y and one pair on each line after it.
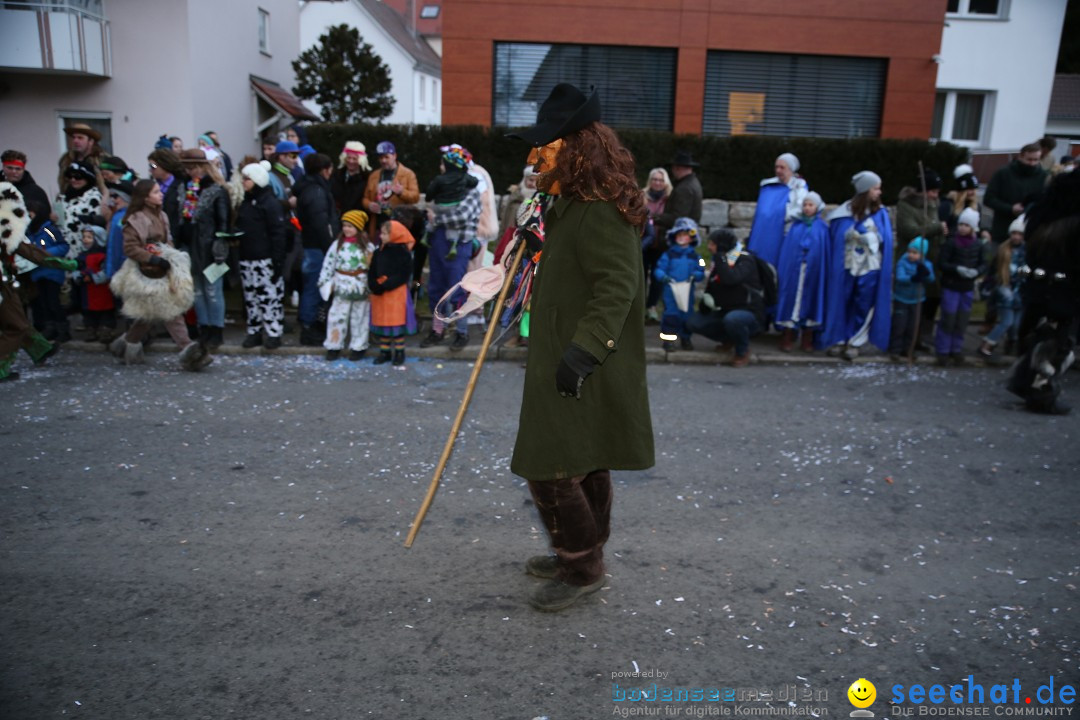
x,y
816,239
767,230
837,323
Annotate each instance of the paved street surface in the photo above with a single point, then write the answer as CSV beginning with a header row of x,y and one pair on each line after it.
x,y
229,544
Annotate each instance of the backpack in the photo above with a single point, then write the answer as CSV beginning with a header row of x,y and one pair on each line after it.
x,y
769,282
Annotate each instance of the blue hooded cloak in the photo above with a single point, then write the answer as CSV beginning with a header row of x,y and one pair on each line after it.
x,y
809,244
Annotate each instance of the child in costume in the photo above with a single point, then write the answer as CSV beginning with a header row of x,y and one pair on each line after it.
x,y
960,261
455,182
913,273
98,304
392,316
1010,270
344,276
15,331
801,275
50,318
678,268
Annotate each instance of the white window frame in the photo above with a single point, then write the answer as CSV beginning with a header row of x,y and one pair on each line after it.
x,y
264,32
964,12
63,117
949,117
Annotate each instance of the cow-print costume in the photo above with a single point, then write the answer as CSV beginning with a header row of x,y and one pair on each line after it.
x,y
263,297
78,210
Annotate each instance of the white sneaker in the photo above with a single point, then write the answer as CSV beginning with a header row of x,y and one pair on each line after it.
x,y
295,299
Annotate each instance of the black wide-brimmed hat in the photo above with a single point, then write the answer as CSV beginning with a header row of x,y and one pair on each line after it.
x,y
565,111
684,159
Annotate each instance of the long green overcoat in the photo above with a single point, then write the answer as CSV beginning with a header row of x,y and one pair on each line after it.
x,y
589,290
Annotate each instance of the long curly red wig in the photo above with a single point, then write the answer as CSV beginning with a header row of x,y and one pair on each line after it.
x,y
592,165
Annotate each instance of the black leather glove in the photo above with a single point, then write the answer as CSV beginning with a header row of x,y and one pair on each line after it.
x,y
158,261
532,239
921,272
575,366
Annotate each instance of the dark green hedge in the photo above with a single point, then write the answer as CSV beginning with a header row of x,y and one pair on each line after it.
x,y
731,167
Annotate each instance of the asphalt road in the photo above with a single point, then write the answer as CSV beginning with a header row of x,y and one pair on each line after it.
x,y
229,544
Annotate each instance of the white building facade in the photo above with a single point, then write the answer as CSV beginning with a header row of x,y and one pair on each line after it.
x,y
996,72
415,68
135,70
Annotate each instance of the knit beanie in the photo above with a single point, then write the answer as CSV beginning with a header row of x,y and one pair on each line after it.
x,y
454,156
919,244
356,218
790,160
931,179
965,177
163,143
258,173
354,147
864,181
969,216
1018,225
816,199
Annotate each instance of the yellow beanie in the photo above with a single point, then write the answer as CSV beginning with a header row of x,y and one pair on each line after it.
x,y
356,218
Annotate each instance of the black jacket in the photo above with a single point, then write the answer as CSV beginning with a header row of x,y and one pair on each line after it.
x,y
32,191
316,211
199,235
172,202
394,262
685,201
953,256
736,287
348,191
261,220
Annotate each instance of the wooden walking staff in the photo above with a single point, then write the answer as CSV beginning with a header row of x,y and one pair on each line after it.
x,y
449,447
918,305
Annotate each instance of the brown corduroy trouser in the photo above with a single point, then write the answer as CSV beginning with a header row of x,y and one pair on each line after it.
x,y
577,514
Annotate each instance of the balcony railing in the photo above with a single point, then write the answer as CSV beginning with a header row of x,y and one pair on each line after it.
x,y
59,36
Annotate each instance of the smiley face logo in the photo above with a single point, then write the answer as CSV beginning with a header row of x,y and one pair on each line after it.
x,y
862,693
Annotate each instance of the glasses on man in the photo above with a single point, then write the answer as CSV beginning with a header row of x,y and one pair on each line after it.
x,y
153,166
292,155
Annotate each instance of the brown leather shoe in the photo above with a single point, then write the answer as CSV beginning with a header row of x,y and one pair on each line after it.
x,y
740,360
787,340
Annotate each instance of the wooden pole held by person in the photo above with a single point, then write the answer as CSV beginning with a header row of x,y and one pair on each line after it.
x,y
449,447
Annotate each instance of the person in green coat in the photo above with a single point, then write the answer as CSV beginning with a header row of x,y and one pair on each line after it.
x,y
585,404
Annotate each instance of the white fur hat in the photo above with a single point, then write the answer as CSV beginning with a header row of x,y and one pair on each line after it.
x,y
354,147
816,199
258,173
13,217
969,216
961,170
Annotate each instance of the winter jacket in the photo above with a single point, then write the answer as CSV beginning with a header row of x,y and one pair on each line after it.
x,y
210,217
348,190
589,290
736,287
95,284
410,189
172,201
316,212
114,243
684,201
143,228
31,190
956,253
680,263
77,209
49,238
912,222
1014,183
907,290
261,220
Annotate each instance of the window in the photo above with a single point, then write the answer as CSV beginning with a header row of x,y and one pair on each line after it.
x,y
960,116
792,95
636,84
264,31
429,12
423,90
985,9
102,122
